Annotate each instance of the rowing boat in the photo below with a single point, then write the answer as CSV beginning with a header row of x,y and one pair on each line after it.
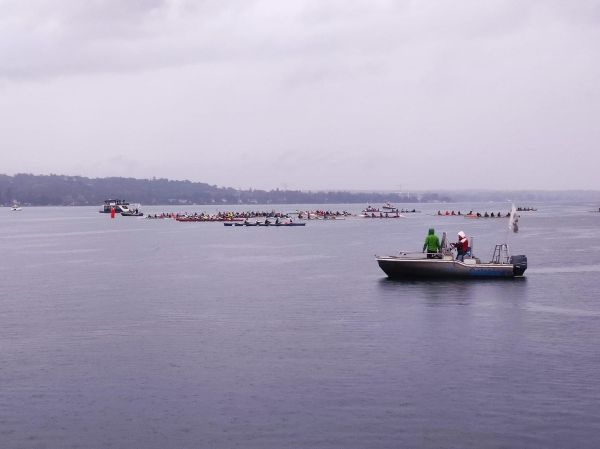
x,y
381,216
264,224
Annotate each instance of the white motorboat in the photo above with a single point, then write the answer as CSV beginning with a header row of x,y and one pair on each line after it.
x,y
413,265
119,206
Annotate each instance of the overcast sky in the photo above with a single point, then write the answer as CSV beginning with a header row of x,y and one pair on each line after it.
x,y
305,94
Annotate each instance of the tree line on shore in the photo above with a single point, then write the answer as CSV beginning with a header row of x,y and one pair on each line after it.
x,y
60,190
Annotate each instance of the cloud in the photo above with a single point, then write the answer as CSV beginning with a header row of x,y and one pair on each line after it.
x,y
56,38
368,92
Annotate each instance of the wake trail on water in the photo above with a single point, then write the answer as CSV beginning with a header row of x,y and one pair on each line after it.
x,y
566,269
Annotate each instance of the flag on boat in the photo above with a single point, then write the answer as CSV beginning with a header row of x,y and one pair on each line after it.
x,y
511,221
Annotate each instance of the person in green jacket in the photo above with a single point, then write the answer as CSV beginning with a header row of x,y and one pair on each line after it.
x,y
432,244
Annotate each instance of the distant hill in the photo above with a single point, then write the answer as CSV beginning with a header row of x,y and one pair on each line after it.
x,y
59,190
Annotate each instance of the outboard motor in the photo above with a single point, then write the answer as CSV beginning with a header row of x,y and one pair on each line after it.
x,y
519,263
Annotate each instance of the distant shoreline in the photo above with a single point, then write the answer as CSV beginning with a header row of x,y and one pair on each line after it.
x,y
61,190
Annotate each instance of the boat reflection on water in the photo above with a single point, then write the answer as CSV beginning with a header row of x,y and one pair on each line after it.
x,y
452,292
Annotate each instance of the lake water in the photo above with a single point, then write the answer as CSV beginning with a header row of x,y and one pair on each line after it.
x,y
134,333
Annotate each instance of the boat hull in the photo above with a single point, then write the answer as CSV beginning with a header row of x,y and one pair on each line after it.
x,y
413,268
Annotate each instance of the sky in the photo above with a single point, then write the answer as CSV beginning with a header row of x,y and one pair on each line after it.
x,y
393,95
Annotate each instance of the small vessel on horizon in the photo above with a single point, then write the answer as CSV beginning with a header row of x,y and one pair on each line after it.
x,y
134,211
389,207
386,208
119,206
393,214
15,207
370,209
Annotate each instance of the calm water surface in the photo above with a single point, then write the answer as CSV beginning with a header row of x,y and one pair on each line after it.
x,y
134,333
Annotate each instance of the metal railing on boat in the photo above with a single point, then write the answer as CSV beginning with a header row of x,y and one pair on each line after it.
x,y
501,254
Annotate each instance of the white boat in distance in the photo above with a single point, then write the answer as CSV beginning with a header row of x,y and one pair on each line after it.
x,y
119,206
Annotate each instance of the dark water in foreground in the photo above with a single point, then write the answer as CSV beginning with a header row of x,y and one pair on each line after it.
x,y
139,333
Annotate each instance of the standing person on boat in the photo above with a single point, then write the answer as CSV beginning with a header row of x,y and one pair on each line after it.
x,y
462,246
432,244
